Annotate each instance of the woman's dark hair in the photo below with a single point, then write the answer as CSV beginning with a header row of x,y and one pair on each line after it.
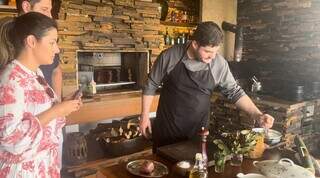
x,y
6,48
14,31
208,34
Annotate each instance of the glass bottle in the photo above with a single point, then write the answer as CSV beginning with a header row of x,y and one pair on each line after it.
x,y
179,16
172,41
183,38
184,17
167,38
198,170
92,87
173,16
236,159
178,40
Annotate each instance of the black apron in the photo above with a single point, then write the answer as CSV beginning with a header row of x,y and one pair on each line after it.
x,y
184,105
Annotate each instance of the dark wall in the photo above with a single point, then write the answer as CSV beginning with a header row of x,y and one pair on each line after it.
x,y
282,37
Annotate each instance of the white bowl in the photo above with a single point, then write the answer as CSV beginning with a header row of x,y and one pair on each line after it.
x,y
251,175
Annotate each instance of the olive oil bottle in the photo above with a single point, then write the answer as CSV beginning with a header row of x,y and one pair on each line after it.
x,y
198,170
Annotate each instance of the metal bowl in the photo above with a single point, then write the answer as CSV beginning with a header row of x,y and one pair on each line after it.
x,y
271,137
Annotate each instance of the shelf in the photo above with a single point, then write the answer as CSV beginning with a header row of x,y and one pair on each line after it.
x,y
110,107
6,8
115,84
178,24
183,7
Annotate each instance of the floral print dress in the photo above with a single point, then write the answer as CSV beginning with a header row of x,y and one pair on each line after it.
x,y
27,149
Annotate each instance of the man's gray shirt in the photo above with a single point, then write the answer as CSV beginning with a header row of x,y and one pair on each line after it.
x,y
219,67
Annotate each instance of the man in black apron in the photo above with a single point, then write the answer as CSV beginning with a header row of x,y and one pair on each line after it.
x,y
188,75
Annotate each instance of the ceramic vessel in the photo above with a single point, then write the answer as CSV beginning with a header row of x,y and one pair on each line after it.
x,y
282,168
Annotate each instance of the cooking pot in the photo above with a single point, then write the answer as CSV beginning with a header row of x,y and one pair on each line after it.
x,y
125,147
284,168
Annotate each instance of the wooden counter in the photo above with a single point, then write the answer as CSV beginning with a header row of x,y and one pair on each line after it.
x,y
108,107
230,171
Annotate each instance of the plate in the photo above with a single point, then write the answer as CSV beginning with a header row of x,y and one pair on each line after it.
x,y
159,169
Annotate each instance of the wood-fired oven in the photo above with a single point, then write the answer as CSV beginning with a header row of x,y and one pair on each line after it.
x,y
113,71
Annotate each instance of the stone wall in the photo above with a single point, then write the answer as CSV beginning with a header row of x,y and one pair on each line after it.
x,y
283,36
105,25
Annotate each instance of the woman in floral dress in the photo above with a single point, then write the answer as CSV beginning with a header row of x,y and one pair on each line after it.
x,y
31,118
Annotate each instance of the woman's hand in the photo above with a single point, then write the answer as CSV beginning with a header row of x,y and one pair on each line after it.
x,y
66,107
59,110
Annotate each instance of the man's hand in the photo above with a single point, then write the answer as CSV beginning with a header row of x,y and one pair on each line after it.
x,y
265,121
145,126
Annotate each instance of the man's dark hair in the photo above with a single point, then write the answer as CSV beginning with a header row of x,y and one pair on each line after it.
x,y
19,4
208,34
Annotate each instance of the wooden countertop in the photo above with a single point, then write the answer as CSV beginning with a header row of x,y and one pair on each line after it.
x,y
108,107
230,171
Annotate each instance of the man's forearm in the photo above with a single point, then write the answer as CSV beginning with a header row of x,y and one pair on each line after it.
x,y
245,104
57,81
146,104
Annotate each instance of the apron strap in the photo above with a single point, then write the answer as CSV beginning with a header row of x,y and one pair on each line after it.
x,y
165,78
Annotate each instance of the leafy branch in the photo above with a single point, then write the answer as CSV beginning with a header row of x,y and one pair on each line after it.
x,y
238,142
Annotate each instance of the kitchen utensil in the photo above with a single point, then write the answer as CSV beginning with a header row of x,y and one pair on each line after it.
x,y
256,85
266,131
159,169
282,169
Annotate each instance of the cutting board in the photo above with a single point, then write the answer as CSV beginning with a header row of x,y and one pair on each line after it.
x,y
185,151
